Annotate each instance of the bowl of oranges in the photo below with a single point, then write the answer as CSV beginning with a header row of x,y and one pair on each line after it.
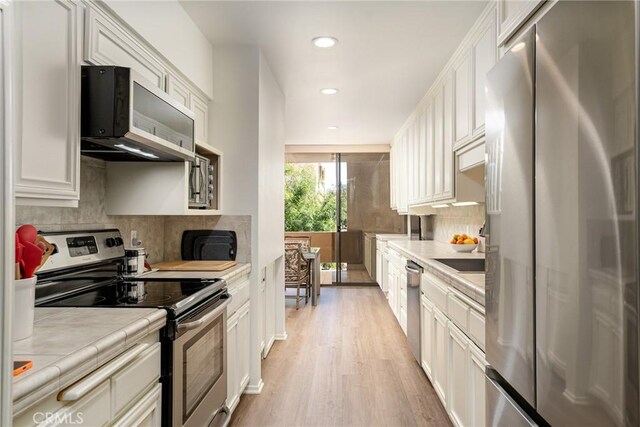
x,y
463,243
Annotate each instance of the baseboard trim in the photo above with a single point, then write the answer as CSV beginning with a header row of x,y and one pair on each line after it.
x,y
254,389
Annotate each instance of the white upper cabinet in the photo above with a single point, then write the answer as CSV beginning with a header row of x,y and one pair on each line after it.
x,y
512,14
448,171
200,108
462,98
107,43
47,101
448,120
429,145
438,145
485,54
180,91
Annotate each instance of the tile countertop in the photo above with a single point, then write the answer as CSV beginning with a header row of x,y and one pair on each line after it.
x,y
69,343
240,269
424,252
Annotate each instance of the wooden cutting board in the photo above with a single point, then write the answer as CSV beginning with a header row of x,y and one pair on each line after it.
x,y
194,265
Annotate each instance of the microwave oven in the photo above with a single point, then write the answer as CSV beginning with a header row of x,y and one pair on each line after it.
x,y
126,118
201,183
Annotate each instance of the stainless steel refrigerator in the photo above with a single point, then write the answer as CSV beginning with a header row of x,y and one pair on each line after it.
x,y
562,215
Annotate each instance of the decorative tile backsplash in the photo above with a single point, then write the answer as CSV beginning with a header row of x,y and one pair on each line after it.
x,y
160,235
460,219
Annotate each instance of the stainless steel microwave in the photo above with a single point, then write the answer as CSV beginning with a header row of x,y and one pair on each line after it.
x,y
126,118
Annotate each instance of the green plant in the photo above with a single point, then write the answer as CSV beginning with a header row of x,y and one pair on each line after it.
x,y
307,206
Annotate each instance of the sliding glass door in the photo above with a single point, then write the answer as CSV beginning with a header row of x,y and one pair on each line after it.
x,y
339,201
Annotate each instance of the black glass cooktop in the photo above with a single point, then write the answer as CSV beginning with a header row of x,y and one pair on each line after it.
x,y
171,295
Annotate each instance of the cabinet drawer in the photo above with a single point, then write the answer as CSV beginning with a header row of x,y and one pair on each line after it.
x,y
239,292
135,378
92,408
437,294
458,312
476,328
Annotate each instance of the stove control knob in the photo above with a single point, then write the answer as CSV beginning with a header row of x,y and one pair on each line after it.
x,y
111,242
119,241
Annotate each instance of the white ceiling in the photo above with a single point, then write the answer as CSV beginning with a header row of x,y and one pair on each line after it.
x,y
389,53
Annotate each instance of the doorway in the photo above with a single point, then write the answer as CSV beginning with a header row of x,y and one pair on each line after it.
x,y
339,200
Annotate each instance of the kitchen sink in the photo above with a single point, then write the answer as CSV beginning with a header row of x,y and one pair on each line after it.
x,y
475,265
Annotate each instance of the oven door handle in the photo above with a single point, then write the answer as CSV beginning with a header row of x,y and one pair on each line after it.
x,y
204,318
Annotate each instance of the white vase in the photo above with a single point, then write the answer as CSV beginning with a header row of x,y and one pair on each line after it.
x,y
24,299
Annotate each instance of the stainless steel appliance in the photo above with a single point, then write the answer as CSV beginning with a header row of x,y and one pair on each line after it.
x,y
201,182
414,274
421,227
126,118
562,230
85,271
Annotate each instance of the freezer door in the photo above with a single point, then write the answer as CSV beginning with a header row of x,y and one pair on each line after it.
x,y
502,410
509,203
586,231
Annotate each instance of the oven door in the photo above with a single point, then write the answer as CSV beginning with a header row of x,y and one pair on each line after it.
x,y
200,368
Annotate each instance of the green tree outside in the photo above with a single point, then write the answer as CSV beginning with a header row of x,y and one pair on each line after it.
x,y
306,208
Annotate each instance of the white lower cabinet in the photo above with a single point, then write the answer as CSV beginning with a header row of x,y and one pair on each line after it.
x,y
238,328
477,366
426,339
459,390
440,356
125,391
452,331
147,412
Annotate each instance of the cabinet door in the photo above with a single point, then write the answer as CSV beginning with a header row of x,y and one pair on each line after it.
x,y
459,384
462,99
233,369
393,193
47,170
440,353
448,171
485,55
427,334
438,145
107,43
422,144
410,164
242,354
477,389
200,108
146,413
429,156
178,91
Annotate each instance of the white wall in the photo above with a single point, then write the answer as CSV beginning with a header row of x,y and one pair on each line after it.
x,y
167,26
271,166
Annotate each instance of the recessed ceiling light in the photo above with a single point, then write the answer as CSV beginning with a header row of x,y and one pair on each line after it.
x,y
324,42
332,127
329,91
464,203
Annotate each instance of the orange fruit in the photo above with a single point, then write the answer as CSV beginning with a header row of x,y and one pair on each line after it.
x,y
475,240
453,241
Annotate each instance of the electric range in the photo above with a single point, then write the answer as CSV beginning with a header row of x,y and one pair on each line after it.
x,y
86,270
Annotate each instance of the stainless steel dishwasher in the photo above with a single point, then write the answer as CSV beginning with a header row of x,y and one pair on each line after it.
x,y
414,273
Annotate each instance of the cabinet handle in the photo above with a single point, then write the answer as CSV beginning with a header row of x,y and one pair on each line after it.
x,y
84,386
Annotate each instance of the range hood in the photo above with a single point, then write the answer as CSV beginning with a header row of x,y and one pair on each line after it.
x,y
126,118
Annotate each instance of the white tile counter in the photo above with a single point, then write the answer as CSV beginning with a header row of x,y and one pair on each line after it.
x,y
69,343
425,253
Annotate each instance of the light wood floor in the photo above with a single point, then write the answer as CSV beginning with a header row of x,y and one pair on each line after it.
x,y
345,363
